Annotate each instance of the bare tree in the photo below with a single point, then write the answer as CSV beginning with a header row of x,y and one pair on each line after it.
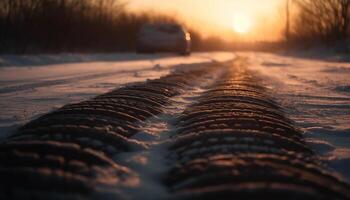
x,y
30,26
325,20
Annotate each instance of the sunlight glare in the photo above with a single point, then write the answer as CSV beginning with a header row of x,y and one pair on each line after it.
x,y
241,23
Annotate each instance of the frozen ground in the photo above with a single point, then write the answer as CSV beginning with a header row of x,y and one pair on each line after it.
x,y
315,93
27,90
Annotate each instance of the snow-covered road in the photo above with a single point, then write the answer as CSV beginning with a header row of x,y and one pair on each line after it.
x,y
28,90
315,93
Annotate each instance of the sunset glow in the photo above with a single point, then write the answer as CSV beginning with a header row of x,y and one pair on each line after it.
x,y
250,18
241,23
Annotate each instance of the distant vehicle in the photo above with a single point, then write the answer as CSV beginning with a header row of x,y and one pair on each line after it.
x,y
164,37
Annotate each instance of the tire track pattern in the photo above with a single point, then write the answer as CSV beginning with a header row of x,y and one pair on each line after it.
x,y
233,142
236,143
69,152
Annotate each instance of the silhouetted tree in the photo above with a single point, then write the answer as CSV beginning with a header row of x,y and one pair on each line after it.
x,y
69,25
324,20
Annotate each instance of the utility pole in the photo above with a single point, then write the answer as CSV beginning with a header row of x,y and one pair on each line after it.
x,y
287,34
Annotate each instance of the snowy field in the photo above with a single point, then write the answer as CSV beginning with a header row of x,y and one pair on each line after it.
x,y
315,93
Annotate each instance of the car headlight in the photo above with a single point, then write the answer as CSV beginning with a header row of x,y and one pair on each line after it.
x,y
188,36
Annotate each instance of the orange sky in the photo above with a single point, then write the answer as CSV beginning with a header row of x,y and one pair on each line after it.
x,y
265,16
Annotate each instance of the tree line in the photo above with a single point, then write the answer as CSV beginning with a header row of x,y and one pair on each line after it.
x,y
51,26
321,22
30,26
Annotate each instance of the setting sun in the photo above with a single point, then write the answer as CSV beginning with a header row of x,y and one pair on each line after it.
x,y
241,23
223,18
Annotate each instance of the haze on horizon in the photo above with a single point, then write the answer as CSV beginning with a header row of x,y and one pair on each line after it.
x,y
252,20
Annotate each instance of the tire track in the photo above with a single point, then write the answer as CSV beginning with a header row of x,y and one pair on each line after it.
x,y
206,132
236,143
152,162
71,153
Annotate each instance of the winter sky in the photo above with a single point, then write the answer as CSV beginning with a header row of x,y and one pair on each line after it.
x,y
262,18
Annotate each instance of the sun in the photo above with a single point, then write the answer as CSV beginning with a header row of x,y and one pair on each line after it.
x,y
241,23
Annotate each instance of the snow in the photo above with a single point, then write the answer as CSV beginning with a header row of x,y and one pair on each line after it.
x,y
154,161
27,90
316,95
314,92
